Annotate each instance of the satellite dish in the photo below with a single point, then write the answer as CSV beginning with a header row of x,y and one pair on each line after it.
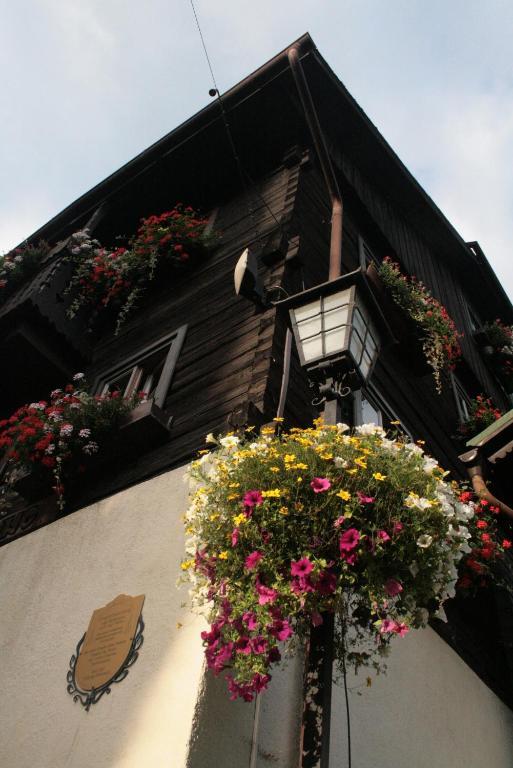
x,y
247,280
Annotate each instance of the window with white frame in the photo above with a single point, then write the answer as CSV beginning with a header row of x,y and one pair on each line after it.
x,y
462,399
150,371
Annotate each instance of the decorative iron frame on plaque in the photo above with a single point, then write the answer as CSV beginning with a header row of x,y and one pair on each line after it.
x,y
87,698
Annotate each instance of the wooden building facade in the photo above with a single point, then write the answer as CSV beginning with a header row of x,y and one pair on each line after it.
x,y
226,362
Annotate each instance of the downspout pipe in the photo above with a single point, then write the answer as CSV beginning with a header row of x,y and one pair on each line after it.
x,y
337,210
481,490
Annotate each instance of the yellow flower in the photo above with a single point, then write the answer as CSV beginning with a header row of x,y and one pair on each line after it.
x,y
345,495
232,496
299,480
223,555
352,471
214,516
234,485
274,469
240,519
300,465
299,506
378,476
278,419
273,493
186,565
360,460
283,511
288,458
326,456
203,452
267,431
396,423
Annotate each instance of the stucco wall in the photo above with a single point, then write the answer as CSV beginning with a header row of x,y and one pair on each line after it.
x,y
51,581
431,710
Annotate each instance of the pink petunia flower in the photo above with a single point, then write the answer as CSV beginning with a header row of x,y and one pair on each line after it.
x,y
388,625
281,629
252,498
243,646
349,540
250,620
252,560
259,644
339,521
398,527
320,484
393,587
383,536
316,619
326,584
301,567
235,537
363,499
265,594
401,629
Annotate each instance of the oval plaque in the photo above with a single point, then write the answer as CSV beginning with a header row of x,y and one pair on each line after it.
x,y
107,649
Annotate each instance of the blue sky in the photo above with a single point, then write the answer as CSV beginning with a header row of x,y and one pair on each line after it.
x,y
90,83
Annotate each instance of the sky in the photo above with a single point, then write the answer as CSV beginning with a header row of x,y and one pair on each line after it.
x,y
88,84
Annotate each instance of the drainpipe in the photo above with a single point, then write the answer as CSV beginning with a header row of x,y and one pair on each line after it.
x,y
481,490
321,149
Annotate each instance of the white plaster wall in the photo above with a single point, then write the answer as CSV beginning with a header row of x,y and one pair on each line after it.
x,y
52,580
429,711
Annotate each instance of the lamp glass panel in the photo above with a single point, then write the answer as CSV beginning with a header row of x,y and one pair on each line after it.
x,y
337,310
309,326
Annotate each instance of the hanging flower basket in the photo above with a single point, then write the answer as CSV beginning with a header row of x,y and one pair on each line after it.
x,y
282,530
409,347
114,281
437,331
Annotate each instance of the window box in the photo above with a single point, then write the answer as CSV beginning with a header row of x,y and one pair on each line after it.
x,y
406,332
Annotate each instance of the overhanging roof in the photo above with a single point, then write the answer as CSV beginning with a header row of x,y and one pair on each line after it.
x,y
195,162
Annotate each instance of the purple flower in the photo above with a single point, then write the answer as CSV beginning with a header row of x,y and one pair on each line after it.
x,y
252,560
326,583
252,498
250,620
349,540
393,587
301,567
281,629
265,594
259,644
243,646
320,484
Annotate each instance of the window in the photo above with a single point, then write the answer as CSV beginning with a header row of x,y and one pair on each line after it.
x,y
150,370
371,408
366,255
463,401
473,318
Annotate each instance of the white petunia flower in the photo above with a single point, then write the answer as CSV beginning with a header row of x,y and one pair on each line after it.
x,y
210,438
370,429
424,541
339,462
78,376
230,441
85,433
342,427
